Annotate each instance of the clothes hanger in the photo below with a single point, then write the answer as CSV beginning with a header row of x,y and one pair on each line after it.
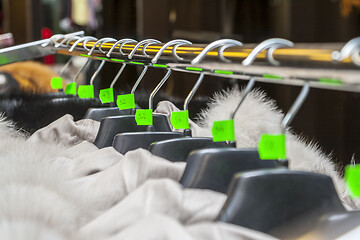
x,y
110,126
228,160
65,99
54,39
213,168
124,142
286,204
99,113
178,149
294,204
277,197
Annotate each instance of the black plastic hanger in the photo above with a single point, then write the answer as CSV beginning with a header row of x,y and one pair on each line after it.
x,y
145,134
110,126
125,142
177,150
238,159
267,200
213,168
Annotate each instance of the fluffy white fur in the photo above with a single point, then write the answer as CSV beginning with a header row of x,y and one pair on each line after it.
x,y
258,115
34,201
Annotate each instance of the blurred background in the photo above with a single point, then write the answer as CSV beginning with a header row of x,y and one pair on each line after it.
x,y
329,117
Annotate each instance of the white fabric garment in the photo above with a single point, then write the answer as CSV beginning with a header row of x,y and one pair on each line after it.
x,y
91,161
158,196
106,188
161,227
77,150
65,131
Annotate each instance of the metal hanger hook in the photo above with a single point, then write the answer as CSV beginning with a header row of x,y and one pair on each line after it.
x,y
295,107
221,52
145,44
177,42
121,42
213,45
351,48
247,90
271,44
66,39
193,91
100,42
83,40
53,39
157,88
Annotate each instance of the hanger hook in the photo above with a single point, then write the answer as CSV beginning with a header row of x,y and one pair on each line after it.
x,y
193,91
66,39
53,39
163,80
247,90
172,42
213,45
84,40
272,44
351,48
121,42
174,51
295,107
92,79
100,42
143,42
221,52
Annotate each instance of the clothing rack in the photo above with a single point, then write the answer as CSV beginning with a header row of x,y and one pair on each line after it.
x,y
328,66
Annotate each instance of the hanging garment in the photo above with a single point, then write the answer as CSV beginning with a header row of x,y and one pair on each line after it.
x,y
66,132
159,196
32,77
106,188
162,227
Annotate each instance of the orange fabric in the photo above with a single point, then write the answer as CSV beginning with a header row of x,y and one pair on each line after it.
x,y
348,5
32,76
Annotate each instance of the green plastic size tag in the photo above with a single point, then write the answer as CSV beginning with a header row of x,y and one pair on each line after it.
x,y
272,147
86,91
126,101
144,117
352,178
56,83
70,89
106,95
180,120
223,131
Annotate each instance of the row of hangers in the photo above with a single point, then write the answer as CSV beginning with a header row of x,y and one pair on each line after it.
x,y
262,193
182,55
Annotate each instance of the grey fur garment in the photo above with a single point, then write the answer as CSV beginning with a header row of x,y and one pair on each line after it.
x,y
257,115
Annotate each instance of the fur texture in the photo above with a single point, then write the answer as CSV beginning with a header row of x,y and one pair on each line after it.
x,y
34,201
258,115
